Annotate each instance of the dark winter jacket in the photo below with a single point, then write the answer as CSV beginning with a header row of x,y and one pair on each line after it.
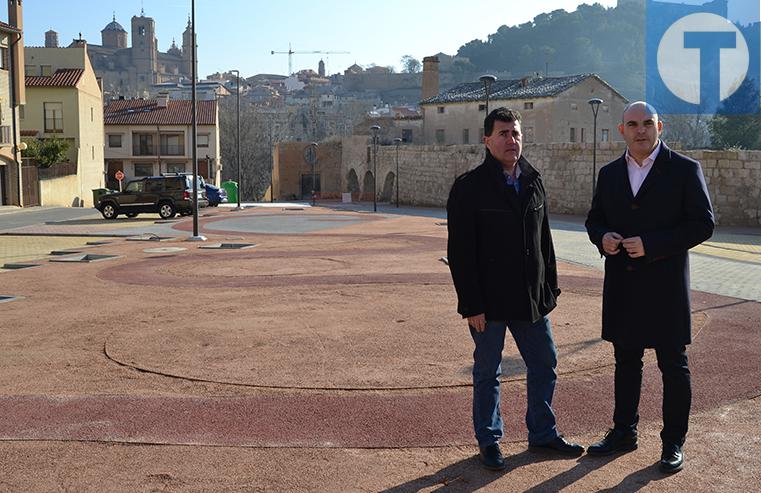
x,y
500,249
646,300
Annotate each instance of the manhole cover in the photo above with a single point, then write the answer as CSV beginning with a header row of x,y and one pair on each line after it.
x,y
96,243
20,266
164,250
229,246
91,257
65,252
150,237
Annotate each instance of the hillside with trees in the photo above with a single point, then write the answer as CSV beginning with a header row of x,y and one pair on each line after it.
x,y
606,41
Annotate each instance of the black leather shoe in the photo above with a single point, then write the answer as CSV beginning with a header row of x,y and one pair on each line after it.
x,y
614,441
558,445
491,457
672,458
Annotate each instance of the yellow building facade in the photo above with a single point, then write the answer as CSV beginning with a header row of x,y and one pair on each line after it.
x,y
64,100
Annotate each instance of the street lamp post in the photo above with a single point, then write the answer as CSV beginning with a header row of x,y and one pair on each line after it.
x,y
313,160
487,81
375,129
237,132
397,141
194,122
595,104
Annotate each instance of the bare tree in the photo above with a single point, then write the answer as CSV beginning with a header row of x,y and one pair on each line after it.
x,y
260,129
692,131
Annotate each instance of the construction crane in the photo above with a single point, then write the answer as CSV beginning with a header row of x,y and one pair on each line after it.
x,y
290,54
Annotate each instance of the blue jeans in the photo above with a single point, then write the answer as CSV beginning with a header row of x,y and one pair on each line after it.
x,y
535,344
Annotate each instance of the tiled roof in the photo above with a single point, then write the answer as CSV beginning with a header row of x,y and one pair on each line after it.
x,y
147,112
533,87
63,77
8,27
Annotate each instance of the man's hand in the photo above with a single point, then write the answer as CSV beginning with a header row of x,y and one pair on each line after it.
x,y
634,247
611,242
478,322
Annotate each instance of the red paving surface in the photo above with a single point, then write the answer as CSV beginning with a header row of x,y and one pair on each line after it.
x,y
84,395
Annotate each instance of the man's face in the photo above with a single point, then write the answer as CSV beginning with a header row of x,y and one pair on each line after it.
x,y
640,129
505,142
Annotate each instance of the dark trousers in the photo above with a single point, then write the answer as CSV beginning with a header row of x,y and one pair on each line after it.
x,y
677,393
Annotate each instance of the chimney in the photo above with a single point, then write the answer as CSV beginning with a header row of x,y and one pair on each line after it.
x,y
430,77
162,100
51,39
16,19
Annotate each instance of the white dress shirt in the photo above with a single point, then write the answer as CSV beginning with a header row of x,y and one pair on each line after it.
x,y
637,173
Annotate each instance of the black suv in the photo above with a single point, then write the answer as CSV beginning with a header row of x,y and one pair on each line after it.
x,y
165,195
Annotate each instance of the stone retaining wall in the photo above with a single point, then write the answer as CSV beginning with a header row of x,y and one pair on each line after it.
x,y
426,174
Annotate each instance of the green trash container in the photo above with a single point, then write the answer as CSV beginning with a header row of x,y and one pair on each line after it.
x,y
97,193
231,187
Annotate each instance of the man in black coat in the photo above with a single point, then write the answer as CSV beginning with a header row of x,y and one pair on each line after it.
x,y
503,266
650,207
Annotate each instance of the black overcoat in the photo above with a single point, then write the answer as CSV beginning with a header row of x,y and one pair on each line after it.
x,y
646,301
499,247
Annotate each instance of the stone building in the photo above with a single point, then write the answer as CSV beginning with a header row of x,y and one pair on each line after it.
x,y
130,71
553,109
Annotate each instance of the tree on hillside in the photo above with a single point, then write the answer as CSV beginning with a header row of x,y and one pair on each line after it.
x,y
410,65
737,130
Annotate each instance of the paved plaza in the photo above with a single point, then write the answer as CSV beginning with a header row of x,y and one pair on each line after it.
x,y
328,356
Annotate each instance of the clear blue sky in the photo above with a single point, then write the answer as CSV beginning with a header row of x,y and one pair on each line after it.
x,y
241,33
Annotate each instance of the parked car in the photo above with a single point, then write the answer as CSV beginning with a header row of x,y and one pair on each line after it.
x,y
165,195
215,195
201,188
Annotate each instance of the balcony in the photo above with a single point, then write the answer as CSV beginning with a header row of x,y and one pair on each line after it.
x,y
143,149
172,149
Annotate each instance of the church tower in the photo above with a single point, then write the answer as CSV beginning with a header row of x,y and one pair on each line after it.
x,y
144,50
187,54
114,35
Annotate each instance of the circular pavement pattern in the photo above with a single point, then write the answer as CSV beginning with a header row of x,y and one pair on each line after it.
x,y
336,338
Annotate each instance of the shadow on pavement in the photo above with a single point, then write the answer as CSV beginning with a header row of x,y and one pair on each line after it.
x,y
584,465
637,480
468,475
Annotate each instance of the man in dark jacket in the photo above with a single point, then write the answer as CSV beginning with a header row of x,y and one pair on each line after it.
x,y
503,266
650,207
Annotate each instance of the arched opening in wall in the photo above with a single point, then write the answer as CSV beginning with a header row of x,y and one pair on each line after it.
x,y
388,187
352,182
367,187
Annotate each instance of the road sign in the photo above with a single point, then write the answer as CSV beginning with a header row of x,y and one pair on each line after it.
x,y
119,175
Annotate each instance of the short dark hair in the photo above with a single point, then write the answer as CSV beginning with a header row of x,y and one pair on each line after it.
x,y
502,114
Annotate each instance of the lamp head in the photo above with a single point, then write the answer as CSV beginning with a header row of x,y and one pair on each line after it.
x,y
487,79
594,102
